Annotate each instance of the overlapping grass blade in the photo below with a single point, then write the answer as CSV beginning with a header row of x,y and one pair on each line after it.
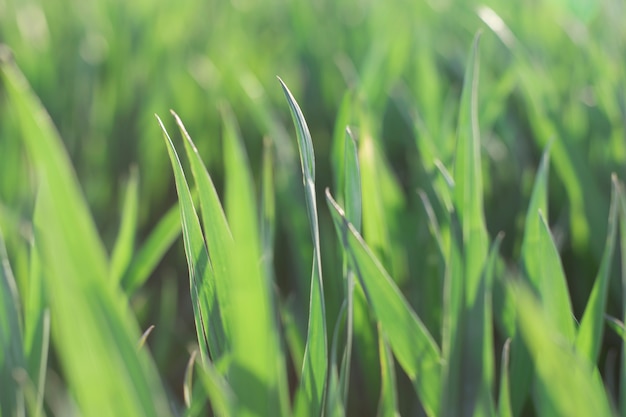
x,y
314,372
207,316
412,345
258,375
591,329
579,391
146,259
218,238
11,349
468,338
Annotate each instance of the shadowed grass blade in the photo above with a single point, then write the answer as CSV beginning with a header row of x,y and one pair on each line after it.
x,y
504,393
207,315
315,364
388,404
468,338
152,251
124,246
412,345
257,373
591,329
622,238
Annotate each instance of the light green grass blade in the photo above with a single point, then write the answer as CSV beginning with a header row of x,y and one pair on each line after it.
x,y
504,393
388,404
219,241
412,345
591,329
11,349
211,337
579,391
152,251
93,329
257,353
124,246
314,371
468,338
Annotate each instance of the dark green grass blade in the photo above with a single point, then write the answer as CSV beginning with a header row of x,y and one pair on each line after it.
x,y
11,349
468,339
412,345
591,329
579,391
622,237
124,246
268,208
152,251
99,342
217,233
313,382
207,315
257,373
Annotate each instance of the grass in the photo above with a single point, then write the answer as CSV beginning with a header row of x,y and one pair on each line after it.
x,y
442,232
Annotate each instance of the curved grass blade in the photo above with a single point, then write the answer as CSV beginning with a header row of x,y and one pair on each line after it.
x,y
209,329
315,364
591,329
257,375
504,398
412,345
124,246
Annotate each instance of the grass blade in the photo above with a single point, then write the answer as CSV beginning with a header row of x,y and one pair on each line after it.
x,y
313,382
152,251
504,399
591,329
580,391
388,404
11,349
211,337
412,345
468,339
622,237
124,246
252,319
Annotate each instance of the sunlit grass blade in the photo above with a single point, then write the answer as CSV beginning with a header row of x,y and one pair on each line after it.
x,y
207,315
99,343
149,255
591,329
11,349
221,396
388,404
124,246
412,345
579,391
468,338
315,364
252,317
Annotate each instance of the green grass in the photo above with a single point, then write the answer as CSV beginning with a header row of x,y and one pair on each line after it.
x,y
438,230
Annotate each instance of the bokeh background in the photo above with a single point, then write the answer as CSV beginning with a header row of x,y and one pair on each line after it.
x,y
551,70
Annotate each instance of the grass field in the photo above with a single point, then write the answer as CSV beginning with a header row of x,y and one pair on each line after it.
x,y
354,208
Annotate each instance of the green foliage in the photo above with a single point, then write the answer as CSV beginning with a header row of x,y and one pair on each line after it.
x,y
466,275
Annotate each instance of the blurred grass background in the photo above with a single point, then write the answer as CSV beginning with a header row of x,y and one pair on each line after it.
x,y
551,70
